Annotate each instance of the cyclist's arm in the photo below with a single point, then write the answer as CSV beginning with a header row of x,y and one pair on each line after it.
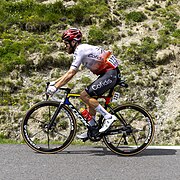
x,y
77,59
65,78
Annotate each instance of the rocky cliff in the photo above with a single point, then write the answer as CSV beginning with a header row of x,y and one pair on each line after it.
x,y
144,35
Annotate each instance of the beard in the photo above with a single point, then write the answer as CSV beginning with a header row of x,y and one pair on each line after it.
x,y
70,50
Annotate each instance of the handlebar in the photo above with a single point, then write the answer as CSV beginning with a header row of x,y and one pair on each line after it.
x,y
62,88
67,90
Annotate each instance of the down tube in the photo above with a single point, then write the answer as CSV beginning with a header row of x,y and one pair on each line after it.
x,y
75,111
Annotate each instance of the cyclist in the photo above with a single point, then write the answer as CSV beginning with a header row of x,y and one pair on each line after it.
x,y
99,62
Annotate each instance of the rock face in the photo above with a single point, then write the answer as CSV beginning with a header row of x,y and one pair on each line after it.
x,y
137,44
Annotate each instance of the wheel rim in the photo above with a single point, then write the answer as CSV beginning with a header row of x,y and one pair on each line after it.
x,y
140,134
40,138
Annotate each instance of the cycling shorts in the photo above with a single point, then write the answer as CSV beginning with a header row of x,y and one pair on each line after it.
x,y
104,82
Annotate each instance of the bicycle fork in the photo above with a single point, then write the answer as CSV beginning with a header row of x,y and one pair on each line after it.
x,y
54,116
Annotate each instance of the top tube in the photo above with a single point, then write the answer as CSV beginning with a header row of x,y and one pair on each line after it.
x,y
65,92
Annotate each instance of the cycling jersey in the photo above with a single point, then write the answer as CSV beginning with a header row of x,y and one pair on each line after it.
x,y
94,58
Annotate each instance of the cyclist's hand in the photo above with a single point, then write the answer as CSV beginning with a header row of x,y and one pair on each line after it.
x,y
51,90
52,83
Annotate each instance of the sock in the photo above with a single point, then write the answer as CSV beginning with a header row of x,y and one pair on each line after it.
x,y
103,112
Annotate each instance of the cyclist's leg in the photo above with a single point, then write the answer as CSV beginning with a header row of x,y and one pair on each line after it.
x,y
97,88
91,102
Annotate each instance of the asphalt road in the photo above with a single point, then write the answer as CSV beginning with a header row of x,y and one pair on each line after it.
x,y
19,162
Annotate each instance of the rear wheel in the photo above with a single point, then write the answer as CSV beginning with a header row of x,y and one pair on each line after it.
x,y
35,127
132,136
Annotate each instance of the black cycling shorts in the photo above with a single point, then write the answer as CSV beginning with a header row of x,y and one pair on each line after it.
x,y
103,83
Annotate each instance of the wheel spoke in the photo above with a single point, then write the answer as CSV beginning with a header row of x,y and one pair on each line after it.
x,y
61,134
37,120
119,142
135,140
134,118
48,140
36,133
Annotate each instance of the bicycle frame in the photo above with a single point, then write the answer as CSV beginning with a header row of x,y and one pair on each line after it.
x,y
106,106
67,95
72,107
66,101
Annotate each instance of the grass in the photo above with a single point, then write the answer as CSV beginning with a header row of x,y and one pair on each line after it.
x,y
9,141
74,142
5,140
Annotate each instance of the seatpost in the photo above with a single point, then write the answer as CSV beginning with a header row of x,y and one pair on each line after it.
x,y
111,92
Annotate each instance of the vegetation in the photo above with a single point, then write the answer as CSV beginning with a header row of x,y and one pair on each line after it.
x,y
136,16
124,4
25,22
31,51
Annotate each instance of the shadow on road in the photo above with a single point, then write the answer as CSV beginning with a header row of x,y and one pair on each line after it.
x,y
103,151
158,152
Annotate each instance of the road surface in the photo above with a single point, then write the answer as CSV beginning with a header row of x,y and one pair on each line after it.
x,y
19,162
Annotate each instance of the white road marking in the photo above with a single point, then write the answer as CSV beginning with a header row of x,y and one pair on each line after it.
x,y
163,147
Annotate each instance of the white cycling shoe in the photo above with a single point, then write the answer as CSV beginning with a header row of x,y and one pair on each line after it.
x,y
107,123
82,136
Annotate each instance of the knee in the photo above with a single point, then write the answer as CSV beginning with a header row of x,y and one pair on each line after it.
x,y
83,95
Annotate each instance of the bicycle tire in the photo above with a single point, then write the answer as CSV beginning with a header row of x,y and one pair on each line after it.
x,y
38,137
142,126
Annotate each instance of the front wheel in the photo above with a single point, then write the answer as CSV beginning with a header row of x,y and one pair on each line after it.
x,y
132,132
35,129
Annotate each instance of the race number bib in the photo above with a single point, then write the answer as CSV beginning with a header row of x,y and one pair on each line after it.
x,y
112,61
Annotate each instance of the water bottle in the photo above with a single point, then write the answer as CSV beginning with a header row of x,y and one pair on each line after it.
x,y
86,114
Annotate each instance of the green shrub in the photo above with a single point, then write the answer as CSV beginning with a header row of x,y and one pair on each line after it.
x,y
124,4
86,80
167,13
96,35
169,26
48,61
84,10
30,15
38,17
164,39
13,53
136,16
176,33
144,53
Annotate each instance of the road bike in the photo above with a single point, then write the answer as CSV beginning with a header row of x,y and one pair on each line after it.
x,y
50,126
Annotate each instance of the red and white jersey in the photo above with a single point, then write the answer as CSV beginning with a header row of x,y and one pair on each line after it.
x,y
94,58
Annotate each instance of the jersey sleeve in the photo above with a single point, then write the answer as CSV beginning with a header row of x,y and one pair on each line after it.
x,y
77,59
